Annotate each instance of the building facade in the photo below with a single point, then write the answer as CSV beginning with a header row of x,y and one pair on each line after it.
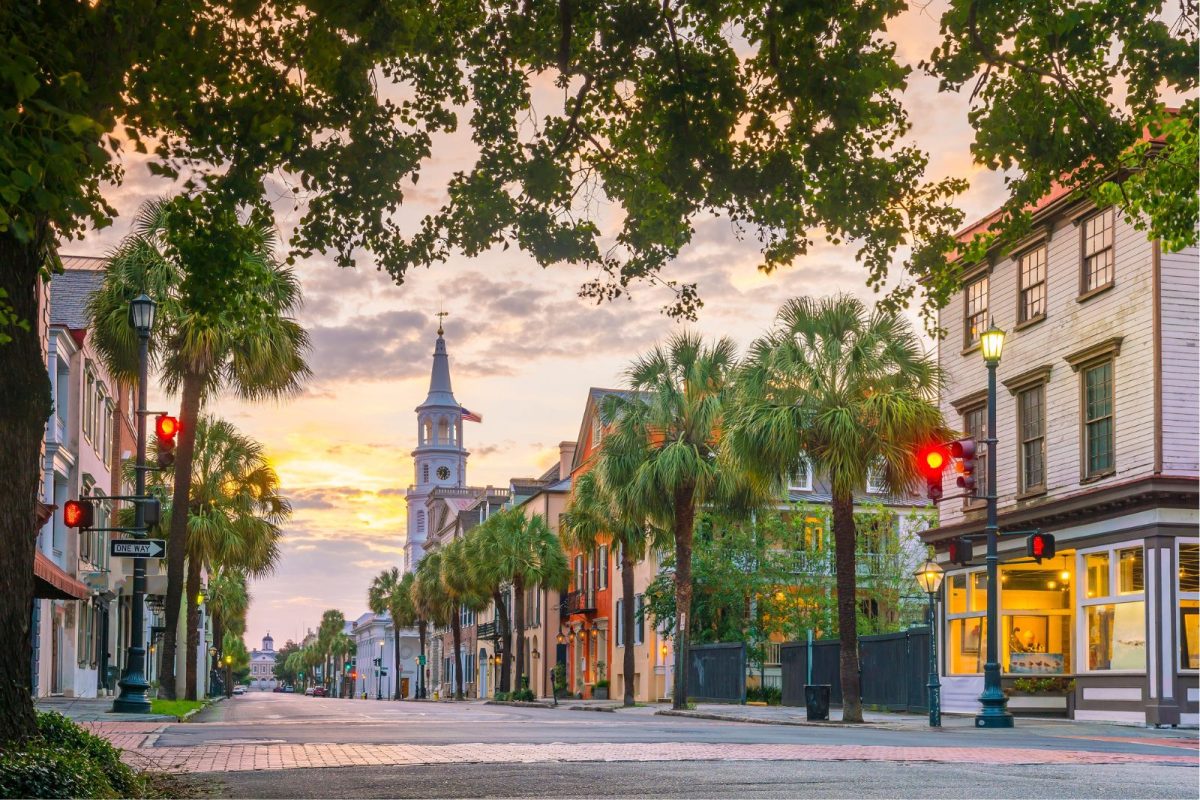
x,y
262,666
1097,444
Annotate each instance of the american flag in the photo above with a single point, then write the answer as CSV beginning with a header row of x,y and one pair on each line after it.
x,y
470,416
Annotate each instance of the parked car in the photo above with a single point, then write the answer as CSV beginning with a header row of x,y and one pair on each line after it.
x,y
239,690
289,690
309,692
319,691
278,688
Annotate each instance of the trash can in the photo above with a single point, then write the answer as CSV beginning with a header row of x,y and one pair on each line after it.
x,y
816,700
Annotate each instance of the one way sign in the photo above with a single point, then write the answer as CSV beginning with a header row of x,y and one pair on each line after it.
x,y
137,548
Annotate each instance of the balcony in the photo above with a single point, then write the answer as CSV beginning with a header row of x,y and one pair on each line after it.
x,y
488,630
579,603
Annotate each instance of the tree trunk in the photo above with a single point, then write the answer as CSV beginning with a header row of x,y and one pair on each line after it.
x,y
519,632
627,622
189,412
456,629
421,629
25,405
193,626
506,640
847,604
218,642
685,519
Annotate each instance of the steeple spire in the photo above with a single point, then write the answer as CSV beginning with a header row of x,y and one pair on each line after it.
x,y
440,391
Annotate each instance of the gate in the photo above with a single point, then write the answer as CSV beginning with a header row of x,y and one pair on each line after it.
x,y
717,672
827,668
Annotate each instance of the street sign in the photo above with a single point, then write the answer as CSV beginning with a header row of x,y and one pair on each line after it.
x,y
137,548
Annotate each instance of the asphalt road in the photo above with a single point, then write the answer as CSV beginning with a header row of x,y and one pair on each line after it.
x,y
261,718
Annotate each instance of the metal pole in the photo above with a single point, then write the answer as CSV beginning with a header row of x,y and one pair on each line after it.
x,y
935,685
132,699
994,713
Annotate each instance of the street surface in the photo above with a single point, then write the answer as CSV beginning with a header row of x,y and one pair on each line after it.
x,y
279,745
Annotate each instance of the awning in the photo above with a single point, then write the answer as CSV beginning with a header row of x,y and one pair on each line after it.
x,y
51,583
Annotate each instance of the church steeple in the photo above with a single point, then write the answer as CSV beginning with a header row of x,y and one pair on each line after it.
x,y
440,391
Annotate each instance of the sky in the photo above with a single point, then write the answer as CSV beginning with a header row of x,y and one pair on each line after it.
x,y
524,349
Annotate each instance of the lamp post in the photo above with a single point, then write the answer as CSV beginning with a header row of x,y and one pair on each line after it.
x,y
929,578
379,674
228,675
132,699
994,712
212,663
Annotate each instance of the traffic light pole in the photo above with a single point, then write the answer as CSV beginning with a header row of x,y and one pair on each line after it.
x,y
132,699
994,713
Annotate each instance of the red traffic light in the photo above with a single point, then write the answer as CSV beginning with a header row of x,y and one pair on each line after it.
x,y
166,426
79,514
932,460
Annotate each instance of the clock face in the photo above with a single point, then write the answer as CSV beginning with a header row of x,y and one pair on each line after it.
x,y
443,473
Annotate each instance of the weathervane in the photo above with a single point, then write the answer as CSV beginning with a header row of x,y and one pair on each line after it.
x,y
441,315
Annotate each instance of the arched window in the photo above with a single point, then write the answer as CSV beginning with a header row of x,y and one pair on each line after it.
x,y
443,431
427,437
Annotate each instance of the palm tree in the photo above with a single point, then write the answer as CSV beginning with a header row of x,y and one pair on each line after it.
x,y
491,580
333,624
430,600
391,594
530,555
234,518
461,592
851,391
228,600
661,456
242,339
593,516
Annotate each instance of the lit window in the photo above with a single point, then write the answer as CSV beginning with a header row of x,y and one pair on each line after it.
x,y
1189,605
1116,622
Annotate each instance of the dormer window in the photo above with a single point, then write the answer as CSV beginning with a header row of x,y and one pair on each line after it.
x,y
801,480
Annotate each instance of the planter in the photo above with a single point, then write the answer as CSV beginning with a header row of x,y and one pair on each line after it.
x,y
599,692
1042,704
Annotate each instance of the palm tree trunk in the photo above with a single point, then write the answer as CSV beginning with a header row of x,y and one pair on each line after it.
x,y
189,412
218,642
396,666
421,630
193,626
519,625
627,622
25,404
506,640
847,604
685,519
456,629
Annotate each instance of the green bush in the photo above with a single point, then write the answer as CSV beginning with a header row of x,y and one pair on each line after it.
x,y
58,731
770,695
525,695
502,696
66,761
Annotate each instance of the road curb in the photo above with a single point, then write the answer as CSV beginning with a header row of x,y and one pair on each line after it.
x,y
518,703
592,708
797,723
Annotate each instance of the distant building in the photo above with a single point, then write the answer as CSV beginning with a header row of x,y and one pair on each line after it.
x,y
262,665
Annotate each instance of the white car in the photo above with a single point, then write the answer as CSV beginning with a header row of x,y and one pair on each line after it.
x,y
308,692
239,690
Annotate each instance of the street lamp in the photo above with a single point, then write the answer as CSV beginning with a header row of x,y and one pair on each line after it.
x,y
132,699
229,675
994,712
929,578
379,674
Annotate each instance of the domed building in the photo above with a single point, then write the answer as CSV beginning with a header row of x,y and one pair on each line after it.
x,y
262,666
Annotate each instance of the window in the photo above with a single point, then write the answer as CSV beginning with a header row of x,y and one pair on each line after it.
x,y
425,473
602,567
1115,610
1189,605
976,311
1098,419
876,483
420,522
1097,251
1036,618
966,620
801,480
1031,419
597,430
619,639
1032,271
639,619
814,533
89,403
590,584
975,425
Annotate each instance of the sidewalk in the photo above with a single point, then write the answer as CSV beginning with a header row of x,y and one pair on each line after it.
x,y
93,709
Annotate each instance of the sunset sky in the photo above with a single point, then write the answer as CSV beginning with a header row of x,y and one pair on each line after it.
x,y
523,351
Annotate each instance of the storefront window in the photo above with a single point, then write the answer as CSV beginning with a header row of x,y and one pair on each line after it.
x,y
1036,618
1115,622
979,591
956,589
966,625
1189,605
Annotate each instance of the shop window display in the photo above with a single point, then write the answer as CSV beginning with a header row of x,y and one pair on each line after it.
x,y
1189,606
1116,622
967,624
1037,619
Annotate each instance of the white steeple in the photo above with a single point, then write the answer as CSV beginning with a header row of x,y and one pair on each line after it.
x,y
440,459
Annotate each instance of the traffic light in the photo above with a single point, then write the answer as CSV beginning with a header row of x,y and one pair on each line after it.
x,y
165,428
931,462
963,453
79,514
1039,546
960,550
151,512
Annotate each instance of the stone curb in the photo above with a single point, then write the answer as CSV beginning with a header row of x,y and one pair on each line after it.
x,y
195,711
592,708
518,703
883,726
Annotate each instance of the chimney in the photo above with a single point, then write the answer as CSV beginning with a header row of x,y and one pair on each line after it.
x,y
566,454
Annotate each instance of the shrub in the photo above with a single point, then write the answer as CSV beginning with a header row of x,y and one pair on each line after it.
x,y
42,771
770,695
502,696
525,695
601,684
59,732
1051,685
